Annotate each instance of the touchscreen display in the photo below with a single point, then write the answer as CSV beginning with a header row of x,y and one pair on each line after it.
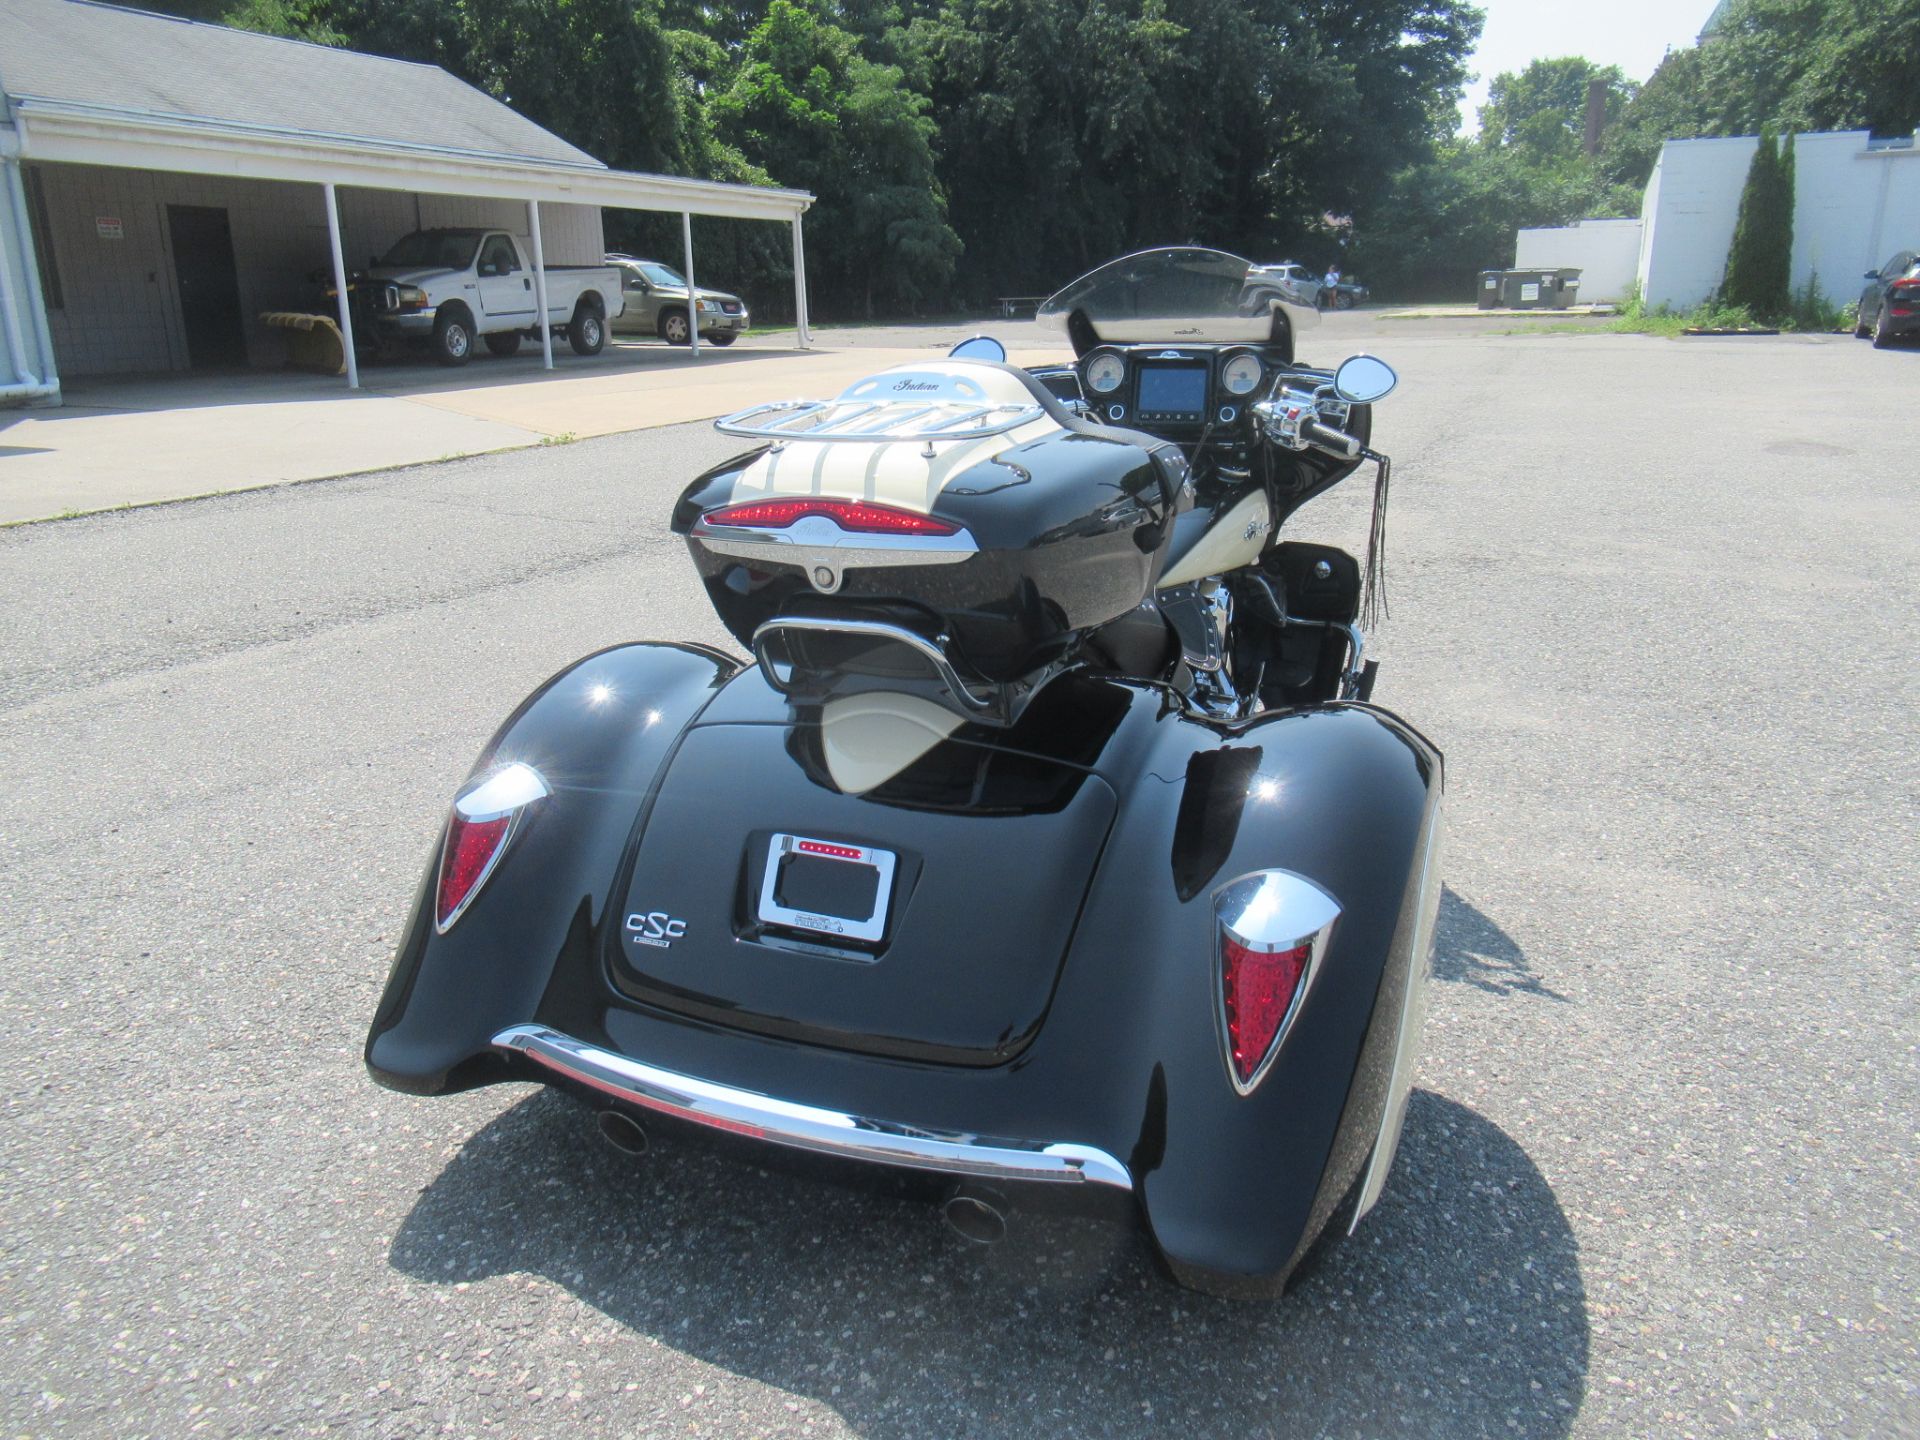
x,y
1173,390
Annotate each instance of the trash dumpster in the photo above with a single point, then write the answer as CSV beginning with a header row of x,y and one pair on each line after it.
x,y
1490,289
1539,289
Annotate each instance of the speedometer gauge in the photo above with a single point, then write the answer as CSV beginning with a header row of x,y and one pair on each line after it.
x,y
1241,374
1104,374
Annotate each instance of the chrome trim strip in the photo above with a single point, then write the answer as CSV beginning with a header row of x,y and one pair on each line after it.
x,y
808,1127
1406,1045
872,629
1269,911
815,540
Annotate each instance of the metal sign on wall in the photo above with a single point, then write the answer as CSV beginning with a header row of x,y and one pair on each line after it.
x,y
109,227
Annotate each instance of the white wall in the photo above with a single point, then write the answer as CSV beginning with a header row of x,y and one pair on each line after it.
x,y
1605,252
119,303
1853,207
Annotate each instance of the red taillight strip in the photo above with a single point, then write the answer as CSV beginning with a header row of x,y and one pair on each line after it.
x,y
838,852
1271,931
862,517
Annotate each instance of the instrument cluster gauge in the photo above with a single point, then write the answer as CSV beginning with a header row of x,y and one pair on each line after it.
x,y
1241,375
1104,373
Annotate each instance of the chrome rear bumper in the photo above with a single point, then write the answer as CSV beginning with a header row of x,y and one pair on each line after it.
x,y
807,1127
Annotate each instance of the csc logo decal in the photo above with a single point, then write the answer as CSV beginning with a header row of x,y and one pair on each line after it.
x,y
655,928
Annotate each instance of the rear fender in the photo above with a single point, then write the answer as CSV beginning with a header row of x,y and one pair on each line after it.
x,y
1235,1188
598,733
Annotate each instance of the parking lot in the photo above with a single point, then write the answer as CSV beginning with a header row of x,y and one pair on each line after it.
x,y
1656,600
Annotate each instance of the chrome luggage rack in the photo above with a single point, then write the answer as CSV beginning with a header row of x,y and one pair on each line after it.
x,y
983,701
876,421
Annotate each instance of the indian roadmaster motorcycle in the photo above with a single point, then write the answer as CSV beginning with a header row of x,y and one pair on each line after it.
x,y
1048,843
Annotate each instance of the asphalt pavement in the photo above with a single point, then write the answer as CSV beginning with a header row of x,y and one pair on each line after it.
x,y
1657,600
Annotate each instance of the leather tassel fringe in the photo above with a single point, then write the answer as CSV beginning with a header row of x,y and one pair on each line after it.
x,y
1373,585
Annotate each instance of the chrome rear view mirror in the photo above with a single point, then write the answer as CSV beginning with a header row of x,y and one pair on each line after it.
x,y
1364,379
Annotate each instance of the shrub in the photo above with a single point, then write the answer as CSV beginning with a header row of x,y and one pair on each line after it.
x,y
1761,256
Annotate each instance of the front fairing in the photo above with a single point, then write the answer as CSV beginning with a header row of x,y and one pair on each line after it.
x,y
1184,295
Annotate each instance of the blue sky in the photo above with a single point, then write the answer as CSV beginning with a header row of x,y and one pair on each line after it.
x,y
1632,34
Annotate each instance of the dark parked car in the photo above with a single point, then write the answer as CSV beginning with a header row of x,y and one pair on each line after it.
x,y
1890,305
1343,295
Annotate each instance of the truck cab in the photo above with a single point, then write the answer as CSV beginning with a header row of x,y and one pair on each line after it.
x,y
451,286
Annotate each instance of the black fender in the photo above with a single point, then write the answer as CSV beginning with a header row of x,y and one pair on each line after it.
x,y
599,733
1235,1189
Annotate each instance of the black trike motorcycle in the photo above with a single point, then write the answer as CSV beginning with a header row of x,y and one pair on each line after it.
x,y
1049,839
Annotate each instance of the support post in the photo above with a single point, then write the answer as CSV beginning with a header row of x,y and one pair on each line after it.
x,y
540,285
340,287
804,334
693,290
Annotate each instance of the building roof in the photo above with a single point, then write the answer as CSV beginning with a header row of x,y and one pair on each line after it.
x,y
138,64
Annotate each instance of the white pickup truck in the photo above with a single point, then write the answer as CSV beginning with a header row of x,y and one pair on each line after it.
x,y
452,286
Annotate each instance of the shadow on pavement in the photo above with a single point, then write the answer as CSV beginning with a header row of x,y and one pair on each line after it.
x,y
1458,1309
1472,949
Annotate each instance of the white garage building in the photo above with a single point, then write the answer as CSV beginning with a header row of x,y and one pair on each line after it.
x,y
167,181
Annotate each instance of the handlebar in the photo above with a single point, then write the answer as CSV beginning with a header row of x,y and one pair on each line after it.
x,y
1293,420
1328,438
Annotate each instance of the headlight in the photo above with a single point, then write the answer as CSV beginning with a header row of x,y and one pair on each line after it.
x,y
709,304
410,297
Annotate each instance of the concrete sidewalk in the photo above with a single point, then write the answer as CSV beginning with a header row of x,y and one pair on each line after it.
x,y
128,442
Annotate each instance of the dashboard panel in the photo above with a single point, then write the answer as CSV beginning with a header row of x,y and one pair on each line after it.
x,y
1178,390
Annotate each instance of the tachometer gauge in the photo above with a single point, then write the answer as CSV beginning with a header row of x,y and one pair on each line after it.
x,y
1104,374
1241,374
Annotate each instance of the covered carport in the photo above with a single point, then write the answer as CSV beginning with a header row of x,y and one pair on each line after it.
x,y
294,150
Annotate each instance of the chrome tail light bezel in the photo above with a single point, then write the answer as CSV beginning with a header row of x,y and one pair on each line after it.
x,y
1268,912
506,792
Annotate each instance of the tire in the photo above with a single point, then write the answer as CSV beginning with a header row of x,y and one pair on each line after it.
x,y
1861,330
1342,300
505,344
453,337
587,331
1882,331
673,327
722,338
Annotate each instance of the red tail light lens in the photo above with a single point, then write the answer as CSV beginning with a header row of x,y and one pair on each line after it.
x,y
484,817
472,847
1257,989
1272,930
857,515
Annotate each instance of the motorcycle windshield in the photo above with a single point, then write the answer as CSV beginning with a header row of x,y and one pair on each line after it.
x,y
1177,294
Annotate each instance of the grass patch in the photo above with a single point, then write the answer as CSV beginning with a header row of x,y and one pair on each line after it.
x,y
565,437
1809,312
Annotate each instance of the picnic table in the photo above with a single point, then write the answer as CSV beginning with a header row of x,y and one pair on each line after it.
x,y
1012,305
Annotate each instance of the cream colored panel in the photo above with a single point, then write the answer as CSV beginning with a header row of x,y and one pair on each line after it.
x,y
871,738
1236,539
900,473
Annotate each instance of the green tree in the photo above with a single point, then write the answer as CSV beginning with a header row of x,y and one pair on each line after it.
x,y
816,115
1814,65
1543,108
1670,106
1074,130
1760,258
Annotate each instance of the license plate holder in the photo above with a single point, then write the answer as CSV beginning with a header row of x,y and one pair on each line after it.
x,y
827,887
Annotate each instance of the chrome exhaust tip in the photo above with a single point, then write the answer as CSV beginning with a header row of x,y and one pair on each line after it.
x,y
976,1213
622,1132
